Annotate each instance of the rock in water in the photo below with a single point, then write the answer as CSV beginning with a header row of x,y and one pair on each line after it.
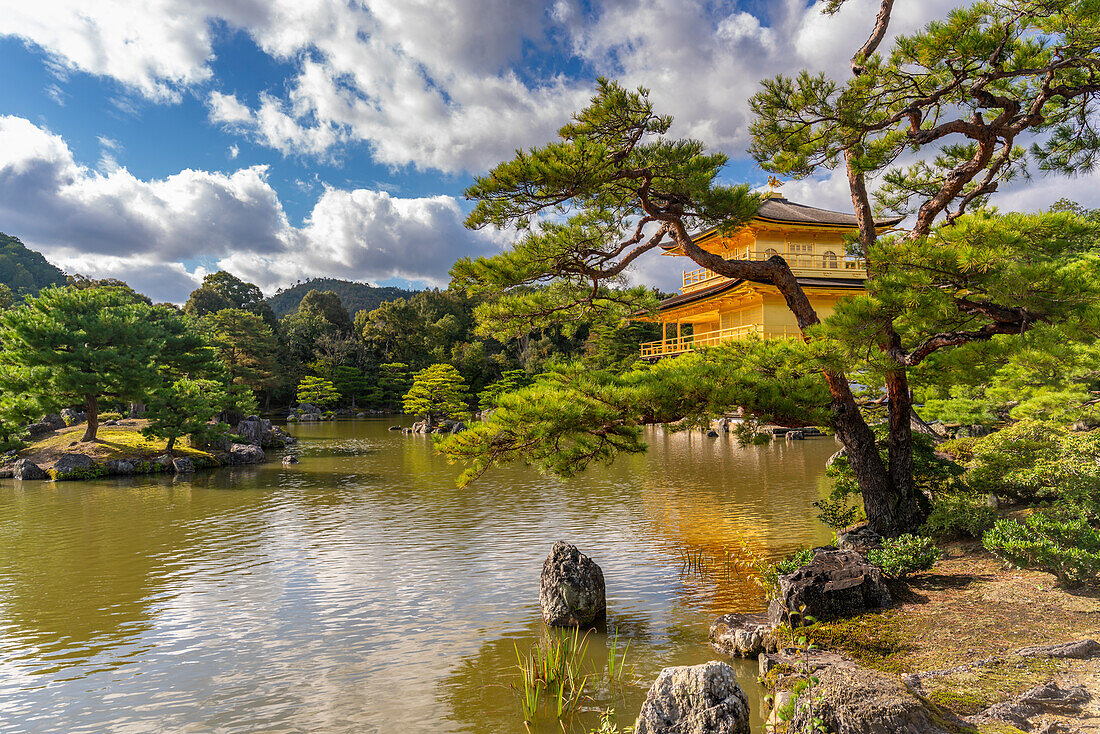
x,y
245,453
861,701
695,699
290,459
743,635
572,592
27,469
836,583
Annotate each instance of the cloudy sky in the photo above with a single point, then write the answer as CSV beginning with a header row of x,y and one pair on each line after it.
x,y
158,140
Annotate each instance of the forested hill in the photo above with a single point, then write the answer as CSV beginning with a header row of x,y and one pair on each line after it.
x,y
354,296
23,270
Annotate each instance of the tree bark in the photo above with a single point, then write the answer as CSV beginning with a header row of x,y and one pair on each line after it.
x,y
170,444
900,447
91,405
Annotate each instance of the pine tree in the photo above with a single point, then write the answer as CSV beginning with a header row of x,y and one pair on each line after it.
x,y
317,391
438,392
185,407
81,345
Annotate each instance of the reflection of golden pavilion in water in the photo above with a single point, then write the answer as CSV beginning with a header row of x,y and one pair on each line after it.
x,y
712,308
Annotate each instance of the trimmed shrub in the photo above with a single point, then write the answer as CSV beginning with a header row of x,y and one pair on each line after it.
x,y
110,416
898,557
957,515
1059,541
1037,460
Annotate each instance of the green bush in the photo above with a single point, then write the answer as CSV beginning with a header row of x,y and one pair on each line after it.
x,y
12,444
110,416
1037,460
1060,541
898,557
768,573
958,515
837,513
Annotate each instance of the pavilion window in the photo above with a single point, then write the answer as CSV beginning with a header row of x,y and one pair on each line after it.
x,y
829,260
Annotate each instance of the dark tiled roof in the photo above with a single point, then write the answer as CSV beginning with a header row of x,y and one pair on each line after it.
x,y
778,210
719,288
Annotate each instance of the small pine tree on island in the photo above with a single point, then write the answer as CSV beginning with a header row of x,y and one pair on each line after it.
x,y
438,393
317,391
184,408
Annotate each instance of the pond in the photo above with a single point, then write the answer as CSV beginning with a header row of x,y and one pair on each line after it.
x,y
361,591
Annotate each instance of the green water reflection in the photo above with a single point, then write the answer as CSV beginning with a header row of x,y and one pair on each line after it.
x,y
360,590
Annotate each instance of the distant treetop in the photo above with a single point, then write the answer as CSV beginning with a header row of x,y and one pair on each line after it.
x,y
355,296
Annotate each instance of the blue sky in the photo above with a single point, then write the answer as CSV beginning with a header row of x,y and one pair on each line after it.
x,y
160,140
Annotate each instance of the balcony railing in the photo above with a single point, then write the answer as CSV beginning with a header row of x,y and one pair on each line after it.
x,y
801,264
681,344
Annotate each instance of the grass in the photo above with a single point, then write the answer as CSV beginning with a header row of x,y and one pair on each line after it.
x,y
112,442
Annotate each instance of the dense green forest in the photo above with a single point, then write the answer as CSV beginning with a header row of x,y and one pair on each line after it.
x,y
355,296
23,270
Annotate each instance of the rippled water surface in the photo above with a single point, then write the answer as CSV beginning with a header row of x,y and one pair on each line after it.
x,y
361,591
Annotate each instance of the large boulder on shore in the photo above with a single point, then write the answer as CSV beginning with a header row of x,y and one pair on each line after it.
x,y
183,465
27,469
54,420
743,635
73,466
861,701
695,699
72,417
571,592
836,583
860,538
244,453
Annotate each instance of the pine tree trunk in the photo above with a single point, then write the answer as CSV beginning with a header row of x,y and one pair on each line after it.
x,y
170,444
92,407
900,449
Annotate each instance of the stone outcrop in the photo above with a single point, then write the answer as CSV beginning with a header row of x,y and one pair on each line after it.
x,y
27,469
795,436
836,583
447,426
245,453
73,417
697,699
290,459
183,465
571,591
1049,698
743,635
1079,650
119,466
259,432
37,430
860,701
73,466
860,538
54,421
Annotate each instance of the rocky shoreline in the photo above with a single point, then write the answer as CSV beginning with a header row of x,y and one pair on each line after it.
x,y
858,666
77,461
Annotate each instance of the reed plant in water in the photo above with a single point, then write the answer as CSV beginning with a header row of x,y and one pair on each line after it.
x,y
552,674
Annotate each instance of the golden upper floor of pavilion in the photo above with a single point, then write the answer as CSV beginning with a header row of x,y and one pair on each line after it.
x,y
811,240
712,308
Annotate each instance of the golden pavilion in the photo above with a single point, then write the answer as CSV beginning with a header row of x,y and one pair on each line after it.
x,y
712,308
